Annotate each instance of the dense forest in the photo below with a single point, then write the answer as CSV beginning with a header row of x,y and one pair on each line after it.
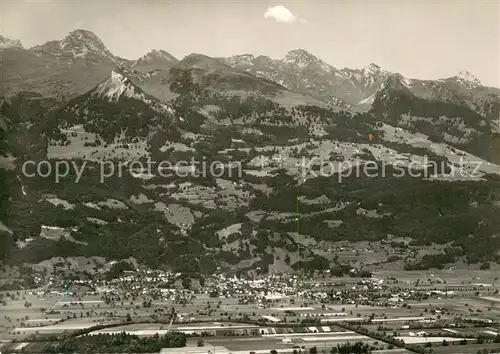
x,y
461,215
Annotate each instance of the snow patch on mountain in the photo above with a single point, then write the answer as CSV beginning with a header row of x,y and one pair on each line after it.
x,y
368,100
60,202
4,228
406,82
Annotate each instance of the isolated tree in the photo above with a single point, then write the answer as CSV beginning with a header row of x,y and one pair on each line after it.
x,y
287,259
186,283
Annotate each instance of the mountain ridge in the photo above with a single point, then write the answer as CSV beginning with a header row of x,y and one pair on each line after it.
x,y
293,55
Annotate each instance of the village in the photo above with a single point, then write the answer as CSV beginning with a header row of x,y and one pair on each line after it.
x,y
229,314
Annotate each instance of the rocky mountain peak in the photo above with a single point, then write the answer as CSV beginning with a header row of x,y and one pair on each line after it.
x,y
158,54
124,83
397,81
371,69
81,35
9,43
394,85
201,61
77,44
83,42
115,86
299,57
243,59
465,78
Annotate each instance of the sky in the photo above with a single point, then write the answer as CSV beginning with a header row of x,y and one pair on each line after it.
x,y
419,39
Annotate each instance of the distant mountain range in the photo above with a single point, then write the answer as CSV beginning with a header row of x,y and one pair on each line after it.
x,y
74,100
61,62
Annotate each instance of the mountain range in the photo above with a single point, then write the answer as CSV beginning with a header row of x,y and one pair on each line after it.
x,y
73,100
82,52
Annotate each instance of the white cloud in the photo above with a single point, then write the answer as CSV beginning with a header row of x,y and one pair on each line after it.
x,y
281,14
